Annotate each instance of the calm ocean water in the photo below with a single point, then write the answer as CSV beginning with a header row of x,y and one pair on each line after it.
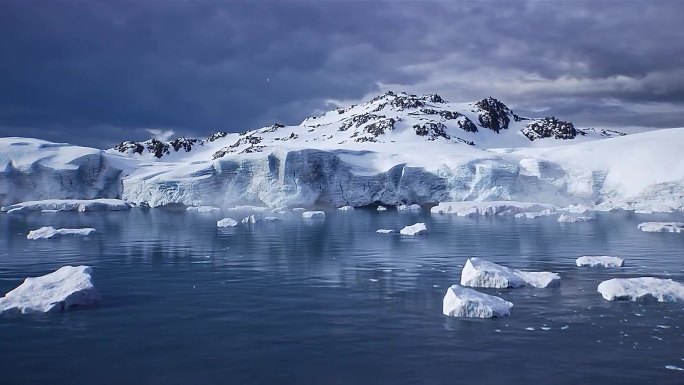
x,y
310,302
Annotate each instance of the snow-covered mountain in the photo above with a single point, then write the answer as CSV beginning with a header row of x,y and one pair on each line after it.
x,y
388,118
394,149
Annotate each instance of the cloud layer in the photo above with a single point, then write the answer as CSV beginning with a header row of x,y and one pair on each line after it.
x,y
98,72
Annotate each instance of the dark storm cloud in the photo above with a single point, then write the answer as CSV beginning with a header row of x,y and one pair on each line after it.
x,y
98,72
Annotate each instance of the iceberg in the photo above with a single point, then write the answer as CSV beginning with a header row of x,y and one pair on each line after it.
x,y
565,218
475,209
345,208
313,215
50,232
463,302
662,227
642,289
382,208
535,214
61,290
79,205
480,273
416,229
252,219
226,222
599,261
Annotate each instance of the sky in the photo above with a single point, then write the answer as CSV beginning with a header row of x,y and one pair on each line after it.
x,y
98,72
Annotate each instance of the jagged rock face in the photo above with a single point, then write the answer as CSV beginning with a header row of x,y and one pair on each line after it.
x,y
431,130
216,136
359,120
157,148
493,114
185,143
130,146
549,127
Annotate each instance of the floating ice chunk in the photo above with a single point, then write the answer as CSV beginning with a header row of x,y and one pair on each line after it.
x,y
535,214
80,205
417,229
50,232
662,227
299,209
413,207
271,219
565,218
641,289
384,231
463,302
252,219
474,209
382,208
257,209
345,208
578,209
599,261
226,222
480,273
203,209
313,215
60,290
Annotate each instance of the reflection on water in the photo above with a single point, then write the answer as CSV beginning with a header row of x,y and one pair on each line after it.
x,y
313,302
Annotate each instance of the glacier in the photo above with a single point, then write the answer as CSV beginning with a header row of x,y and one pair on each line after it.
x,y
394,150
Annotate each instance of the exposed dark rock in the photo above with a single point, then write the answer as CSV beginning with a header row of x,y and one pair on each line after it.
x,y
467,125
131,146
380,127
218,135
549,127
157,148
404,101
433,130
358,120
185,143
432,98
493,114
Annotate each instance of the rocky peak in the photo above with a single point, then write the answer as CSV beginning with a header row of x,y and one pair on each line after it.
x,y
549,127
493,114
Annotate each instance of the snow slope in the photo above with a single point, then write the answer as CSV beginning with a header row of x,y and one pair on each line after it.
x,y
395,149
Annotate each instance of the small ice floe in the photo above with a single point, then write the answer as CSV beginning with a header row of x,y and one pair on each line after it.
x,y
256,209
475,209
480,273
79,205
226,222
271,219
203,209
566,218
385,231
599,261
413,207
545,328
61,290
578,209
313,215
673,367
50,232
417,229
642,289
464,302
345,208
252,219
662,227
382,208
298,209
536,214
529,328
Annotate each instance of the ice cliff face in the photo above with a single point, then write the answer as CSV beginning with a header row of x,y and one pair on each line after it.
x,y
394,149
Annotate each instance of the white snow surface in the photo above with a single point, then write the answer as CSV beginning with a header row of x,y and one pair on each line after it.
x,y
662,227
226,222
642,289
60,290
460,301
80,205
313,215
599,261
475,209
415,229
50,232
481,273
341,159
